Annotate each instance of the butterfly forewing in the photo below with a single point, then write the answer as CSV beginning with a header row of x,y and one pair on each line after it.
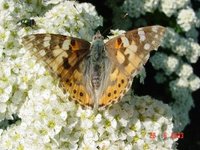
x,y
129,52
64,56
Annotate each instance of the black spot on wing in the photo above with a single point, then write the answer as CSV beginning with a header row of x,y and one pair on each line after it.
x,y
66,64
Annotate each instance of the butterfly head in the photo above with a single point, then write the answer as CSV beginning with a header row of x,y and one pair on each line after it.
x,y
97,43
98,36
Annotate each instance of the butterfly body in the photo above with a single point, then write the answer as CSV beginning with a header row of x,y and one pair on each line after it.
x,y
96,67
97,61
96,74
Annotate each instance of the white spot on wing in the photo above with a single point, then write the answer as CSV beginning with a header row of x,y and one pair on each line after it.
x,y
125,41
65,45
46,40
147,46
141,34
34,49
140,29
131,53
131,49
46,43
47,37
155,29
153,42
120,57
31,37
42,53
58,51
142,38
29,45
156,36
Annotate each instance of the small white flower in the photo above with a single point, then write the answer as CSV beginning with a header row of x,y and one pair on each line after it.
x,y
151,5
169,7
98,118
86,123
3,107
4,98
113,123
172,63
194,53
48,2
187,19
185,71
63,115
194,83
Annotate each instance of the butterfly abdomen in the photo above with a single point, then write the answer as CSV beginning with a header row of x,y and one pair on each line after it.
x,y
96,80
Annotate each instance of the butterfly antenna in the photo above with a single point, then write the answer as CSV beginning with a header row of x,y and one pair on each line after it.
x,y
108,28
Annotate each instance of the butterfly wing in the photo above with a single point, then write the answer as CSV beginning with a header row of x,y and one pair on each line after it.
x,y
128,52
64,56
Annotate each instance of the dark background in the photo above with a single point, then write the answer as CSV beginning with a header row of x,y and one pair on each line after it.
x,y
191,140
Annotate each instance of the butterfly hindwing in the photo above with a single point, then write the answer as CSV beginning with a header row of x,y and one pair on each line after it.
x,y
118,85
64,56
128,52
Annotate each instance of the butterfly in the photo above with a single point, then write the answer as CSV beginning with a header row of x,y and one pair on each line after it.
x,y
96,74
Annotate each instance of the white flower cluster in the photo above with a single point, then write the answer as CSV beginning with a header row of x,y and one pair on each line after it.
x,y
184,81
182,46
170,7
186,17
48,123
136,8
15,78
150,5
69,18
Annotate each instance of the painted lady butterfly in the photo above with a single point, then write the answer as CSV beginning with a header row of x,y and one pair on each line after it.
x,y
96,74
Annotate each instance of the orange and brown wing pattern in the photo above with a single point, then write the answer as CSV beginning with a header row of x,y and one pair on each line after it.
x,y
118,85
64,56
128,52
